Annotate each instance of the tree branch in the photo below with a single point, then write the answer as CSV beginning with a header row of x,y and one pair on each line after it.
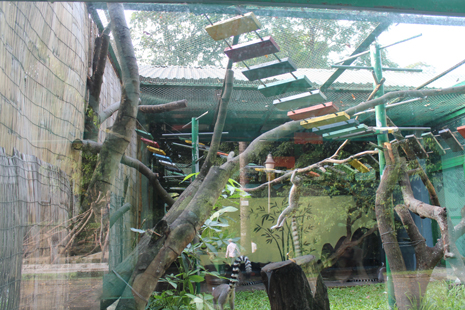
x,y
159,108
313,166
403,93
95,147
425,210
426,256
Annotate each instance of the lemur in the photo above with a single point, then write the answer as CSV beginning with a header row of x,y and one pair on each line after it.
x,y
225,292
294,195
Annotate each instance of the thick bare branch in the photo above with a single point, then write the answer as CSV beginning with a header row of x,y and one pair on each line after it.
x,y
426,256
424,209
159,108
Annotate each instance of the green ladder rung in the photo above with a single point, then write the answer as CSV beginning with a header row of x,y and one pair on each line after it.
x,y
302,83
336,126
144,134
347,131
300,100
269,69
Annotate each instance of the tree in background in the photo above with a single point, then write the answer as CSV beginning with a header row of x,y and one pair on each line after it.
x,y
166,38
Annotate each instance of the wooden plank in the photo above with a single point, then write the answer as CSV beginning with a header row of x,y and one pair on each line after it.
x,y
343,132
163,157
302,83
252,49
144,134
155,150
359,166
233,26
461,131
316,110
300,100
150,142
307,137
324,120
416,146
430,141
451,140
336,126
269,69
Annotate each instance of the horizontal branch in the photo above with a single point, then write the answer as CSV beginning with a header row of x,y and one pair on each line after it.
x,y
403,93
329,160
159,108
426,257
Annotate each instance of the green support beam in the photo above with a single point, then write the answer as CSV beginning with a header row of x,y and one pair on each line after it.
x,y
361,48
381,121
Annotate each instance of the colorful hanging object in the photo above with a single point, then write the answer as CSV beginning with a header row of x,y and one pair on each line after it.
x,y
316,110
336,126
299,101
359,166
461,131
252,49
144,134
307,137
233,26
156,150
299,84
268,69
150,142
324,120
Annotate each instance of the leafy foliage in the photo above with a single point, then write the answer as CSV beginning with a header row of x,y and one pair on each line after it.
x,y
180,39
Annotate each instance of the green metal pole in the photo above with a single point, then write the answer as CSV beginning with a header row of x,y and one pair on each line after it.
x,y
380,112
195,145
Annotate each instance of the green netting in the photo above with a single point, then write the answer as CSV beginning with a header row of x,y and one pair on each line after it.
x,y
174,37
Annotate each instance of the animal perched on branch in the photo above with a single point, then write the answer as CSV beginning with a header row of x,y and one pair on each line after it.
x,y
294,196
227,292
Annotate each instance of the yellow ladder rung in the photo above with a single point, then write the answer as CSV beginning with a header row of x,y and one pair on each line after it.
x,y
324,120
359,166
233,26
155,150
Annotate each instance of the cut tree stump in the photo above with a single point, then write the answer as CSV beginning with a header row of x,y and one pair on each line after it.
x,y
288,287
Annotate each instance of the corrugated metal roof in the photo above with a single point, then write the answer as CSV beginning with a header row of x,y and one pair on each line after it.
x,y
350,79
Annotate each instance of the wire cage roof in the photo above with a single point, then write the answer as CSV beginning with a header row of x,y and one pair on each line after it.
x,y
179,60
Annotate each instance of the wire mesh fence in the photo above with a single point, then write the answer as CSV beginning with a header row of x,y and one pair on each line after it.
x,y
36,201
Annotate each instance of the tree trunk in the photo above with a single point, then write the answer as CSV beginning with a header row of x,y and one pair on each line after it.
x,y
383,207
288,288
118,138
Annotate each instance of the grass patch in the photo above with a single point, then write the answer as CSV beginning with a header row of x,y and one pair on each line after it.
x,y
247,300
358,297
366,297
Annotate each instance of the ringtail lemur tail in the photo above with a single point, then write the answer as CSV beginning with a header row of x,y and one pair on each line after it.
x,y
225,292
295,236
